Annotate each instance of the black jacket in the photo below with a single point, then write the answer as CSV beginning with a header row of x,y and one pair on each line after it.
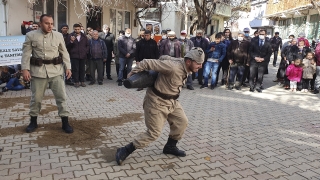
x,y
303,53
204,45
126,45
78,49
239,52
290,53
108,40
264,51
276,42
146,50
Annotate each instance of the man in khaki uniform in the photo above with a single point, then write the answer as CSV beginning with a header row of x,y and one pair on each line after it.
x,y
46,66
160,103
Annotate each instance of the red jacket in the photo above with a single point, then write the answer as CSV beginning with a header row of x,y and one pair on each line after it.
x,y
306,42
294,73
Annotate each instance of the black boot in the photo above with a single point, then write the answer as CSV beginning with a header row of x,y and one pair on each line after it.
x,y
124,152
171,148
65,125
316,91
33,124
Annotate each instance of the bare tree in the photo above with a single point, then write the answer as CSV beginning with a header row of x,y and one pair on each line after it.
x,y
237,9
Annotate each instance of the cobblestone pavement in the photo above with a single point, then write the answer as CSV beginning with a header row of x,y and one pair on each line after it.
x,y
231,135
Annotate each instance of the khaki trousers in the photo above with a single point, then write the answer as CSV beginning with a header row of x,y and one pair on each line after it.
x,y
38,87
157,111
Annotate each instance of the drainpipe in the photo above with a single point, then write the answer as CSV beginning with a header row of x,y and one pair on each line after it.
x,y
4,2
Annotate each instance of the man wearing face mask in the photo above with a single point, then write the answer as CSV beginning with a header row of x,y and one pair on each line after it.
x,y
186,46
203,43
260,52
247,34
109,39
170,46
127,49
238,56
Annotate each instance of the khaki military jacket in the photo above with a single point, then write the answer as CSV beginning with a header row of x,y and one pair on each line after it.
x,y
47,47
172,74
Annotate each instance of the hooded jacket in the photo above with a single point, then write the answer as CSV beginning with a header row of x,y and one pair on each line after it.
x,y
294,73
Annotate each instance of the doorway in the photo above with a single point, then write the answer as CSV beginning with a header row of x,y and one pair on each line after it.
x,y
94,17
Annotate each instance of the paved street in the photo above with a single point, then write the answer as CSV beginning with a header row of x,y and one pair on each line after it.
x,y
231,135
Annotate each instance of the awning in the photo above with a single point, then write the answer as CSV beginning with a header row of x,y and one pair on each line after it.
x,y
290,11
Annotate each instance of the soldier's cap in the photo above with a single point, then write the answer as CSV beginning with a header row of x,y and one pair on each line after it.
x,y
246,29
196,54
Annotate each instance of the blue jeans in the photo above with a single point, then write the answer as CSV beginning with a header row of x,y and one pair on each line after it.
x,y
236,71
14,85
206,71
123,63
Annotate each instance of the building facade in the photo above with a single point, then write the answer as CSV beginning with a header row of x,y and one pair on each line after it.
x,y
294,17
117,15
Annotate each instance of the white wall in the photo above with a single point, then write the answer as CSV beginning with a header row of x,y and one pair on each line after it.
x,y
3,25
171,19
17,11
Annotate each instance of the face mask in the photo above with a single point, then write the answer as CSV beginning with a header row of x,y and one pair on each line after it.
x,y
246,34
240,38
182,37
198,37
82,31
164,37
171,38
261,36
127,35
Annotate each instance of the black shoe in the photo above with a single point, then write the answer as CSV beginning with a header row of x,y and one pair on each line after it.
x,y
139,89
33,124
200,83
212,87
100,83
259,90
66,126
190,87
91,83
230,87
124,152
274,65
261,87
222,82
4,89
238,88
316,91
120,83
251,90
203,86
171,148
109,77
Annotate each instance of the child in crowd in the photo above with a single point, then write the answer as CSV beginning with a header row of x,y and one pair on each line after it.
x,y
294,74
309,69
4,75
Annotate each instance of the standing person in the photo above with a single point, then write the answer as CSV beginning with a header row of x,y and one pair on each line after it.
x,y
116,55
78,48
161,104
186,46
260,52
238,55
45,67
64,31
170,46
303,50
302,37
216,53
127,49
309,69
163,37
289,54
276,42
294,73
97,55
25,30
224,65
317,79
109,39
88,69
89,33
146,49
203,43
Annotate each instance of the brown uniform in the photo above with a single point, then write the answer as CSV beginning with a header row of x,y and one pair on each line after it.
x,y
171,78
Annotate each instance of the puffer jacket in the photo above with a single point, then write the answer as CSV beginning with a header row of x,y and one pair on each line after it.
x,y
308,69
294,73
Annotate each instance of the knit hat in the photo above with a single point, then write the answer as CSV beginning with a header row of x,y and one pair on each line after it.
x,y
240,32
196,54
64,25
171,33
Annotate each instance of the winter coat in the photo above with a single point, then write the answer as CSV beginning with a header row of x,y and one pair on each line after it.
x,y
186,45
165,47
294,73
146,50
290,52
303,52
78,49
126,45
306,42
238,52
308,69
204,44
219,52
276,42
116,52
108,40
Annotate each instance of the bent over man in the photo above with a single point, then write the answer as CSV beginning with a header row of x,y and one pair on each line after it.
x,y
161,104
45,67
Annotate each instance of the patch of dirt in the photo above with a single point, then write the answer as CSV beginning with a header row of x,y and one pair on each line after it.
x,y
49,108
6,103
18,110
86,132
18,119
108,153
111,100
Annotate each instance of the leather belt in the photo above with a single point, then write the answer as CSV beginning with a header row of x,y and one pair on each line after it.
x,y
164,96
40,62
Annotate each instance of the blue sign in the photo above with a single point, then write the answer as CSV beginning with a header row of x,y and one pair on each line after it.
x,y
11,50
